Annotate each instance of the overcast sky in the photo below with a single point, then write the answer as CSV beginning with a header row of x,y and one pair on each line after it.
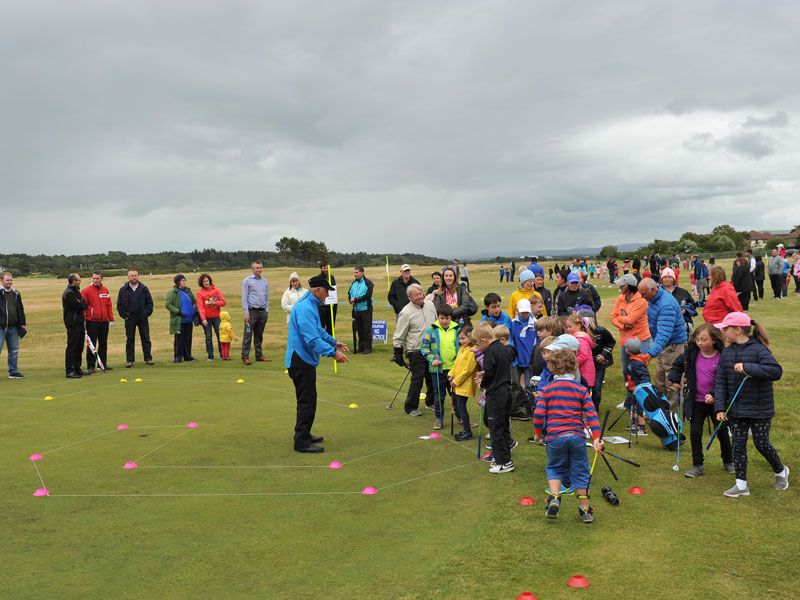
x,y
439,127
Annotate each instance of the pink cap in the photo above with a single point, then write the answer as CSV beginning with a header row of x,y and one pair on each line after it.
x,y
667,272
734,319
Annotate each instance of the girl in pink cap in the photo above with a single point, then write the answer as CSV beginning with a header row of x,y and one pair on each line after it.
x,y
743,395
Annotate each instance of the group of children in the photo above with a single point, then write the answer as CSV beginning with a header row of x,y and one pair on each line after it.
x,y
554,368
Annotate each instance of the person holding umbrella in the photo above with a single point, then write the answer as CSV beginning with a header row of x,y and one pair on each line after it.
x,y
307,341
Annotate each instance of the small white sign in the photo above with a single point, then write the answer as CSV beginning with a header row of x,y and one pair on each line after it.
x,y
333,297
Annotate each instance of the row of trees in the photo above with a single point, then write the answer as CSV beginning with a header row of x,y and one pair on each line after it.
x,y
722,239
290,252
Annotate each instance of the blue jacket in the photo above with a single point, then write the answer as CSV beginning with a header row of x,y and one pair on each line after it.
x,y
523,345
665,318
536,269
306,335
501,319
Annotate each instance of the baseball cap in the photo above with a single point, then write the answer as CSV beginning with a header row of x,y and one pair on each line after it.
x,y
626,279
524,305
405,268
320,281
734,319
632,345
564,342
573,278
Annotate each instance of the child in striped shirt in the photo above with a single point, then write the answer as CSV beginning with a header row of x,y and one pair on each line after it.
x,y
567,406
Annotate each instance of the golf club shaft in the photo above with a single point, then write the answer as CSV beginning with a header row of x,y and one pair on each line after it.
x,y
623,459
623,413
391,404
724,421
608,464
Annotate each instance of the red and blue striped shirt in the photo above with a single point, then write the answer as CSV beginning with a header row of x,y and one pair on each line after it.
x,y
566,407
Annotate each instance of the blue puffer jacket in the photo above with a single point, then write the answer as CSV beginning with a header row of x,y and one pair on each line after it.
x,y
665,319
756,400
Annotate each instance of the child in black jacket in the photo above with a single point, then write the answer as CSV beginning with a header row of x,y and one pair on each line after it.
x,y
747,370
496,380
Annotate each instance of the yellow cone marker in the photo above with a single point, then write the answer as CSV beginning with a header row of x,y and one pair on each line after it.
x,y
353,405
422,395
240,381
49,398
285,371
138,380
123,380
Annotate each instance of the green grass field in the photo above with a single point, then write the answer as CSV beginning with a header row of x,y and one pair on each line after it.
x,y
228,510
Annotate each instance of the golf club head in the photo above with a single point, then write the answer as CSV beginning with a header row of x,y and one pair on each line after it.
x,y
676,468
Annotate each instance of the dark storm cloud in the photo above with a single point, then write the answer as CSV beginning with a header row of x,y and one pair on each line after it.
x,y
439,127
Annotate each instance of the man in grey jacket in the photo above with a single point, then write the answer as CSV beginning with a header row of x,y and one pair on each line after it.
x,y
412,321
775,271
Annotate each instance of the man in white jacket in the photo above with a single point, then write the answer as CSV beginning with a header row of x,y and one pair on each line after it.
x,y
412,321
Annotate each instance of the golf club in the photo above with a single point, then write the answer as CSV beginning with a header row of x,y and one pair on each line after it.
x,y
622,414
623,459
677,466
608,464
723,421
594,460
391,404
94,351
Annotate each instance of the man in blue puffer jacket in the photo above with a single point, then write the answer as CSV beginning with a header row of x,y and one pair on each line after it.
x,y
667,331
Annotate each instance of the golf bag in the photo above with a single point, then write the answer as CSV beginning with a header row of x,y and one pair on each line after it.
x,y
662,422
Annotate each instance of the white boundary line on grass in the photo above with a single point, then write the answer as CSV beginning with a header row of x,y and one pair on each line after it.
x,y
35,466
81,442
162,445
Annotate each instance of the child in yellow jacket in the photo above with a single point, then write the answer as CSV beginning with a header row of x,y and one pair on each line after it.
x,y
462,379
225,335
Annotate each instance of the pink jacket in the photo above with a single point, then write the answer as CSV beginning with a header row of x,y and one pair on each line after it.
x,y
585,358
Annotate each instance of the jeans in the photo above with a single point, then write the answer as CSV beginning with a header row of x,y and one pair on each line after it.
x,y
567,460
255,332
304,377
213,326
10,336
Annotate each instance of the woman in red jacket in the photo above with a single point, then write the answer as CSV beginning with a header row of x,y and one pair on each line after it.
x,y
722,300
209,302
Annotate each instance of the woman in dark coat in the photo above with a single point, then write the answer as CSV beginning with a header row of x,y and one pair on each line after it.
x,y
742,281
456,295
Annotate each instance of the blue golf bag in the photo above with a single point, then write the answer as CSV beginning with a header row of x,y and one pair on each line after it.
x,y
662,422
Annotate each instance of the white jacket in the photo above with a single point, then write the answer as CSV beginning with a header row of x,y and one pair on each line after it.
x,y
411,324
290,296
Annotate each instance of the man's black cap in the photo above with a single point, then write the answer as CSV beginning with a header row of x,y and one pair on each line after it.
x,y
319,281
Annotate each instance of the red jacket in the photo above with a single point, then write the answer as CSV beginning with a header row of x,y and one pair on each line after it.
x,y
207,311
98,304
721,301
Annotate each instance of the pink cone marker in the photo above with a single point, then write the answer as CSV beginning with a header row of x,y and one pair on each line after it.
x,y
122,427
41,492
130,466
35,457
335,465
193,425
369,491
435,436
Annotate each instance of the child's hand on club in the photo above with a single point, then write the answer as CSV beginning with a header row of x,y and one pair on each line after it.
x,y
709,399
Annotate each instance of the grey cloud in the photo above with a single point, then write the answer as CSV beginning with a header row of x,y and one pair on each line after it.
x,y
779,120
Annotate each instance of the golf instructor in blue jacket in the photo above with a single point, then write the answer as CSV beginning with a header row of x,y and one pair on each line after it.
x,y
667,333
307,342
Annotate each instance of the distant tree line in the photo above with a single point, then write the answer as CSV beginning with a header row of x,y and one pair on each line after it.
x,y
290,252
722,239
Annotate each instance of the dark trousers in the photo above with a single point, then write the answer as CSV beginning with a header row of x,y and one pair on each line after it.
x,y
143,325
212,328
362,330
744,299
419,374
597,390
254,332
760,431
760,286
700,412
521,394
460,407
441,389
183,342
304,377
325,317
466,280
776,284
498,411
74,353
98,333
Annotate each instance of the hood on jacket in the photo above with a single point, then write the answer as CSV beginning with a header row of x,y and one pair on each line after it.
x,y
224,315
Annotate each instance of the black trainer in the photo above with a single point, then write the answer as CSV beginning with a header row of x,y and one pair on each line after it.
x,y
553,504
311,449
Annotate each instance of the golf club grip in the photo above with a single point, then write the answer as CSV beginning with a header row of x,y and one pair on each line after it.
x,y
608,464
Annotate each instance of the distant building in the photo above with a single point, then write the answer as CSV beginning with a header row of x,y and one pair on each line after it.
x,y
758,239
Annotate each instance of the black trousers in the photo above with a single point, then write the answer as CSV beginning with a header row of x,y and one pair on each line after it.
x,y
460,407
699,414
254,332
760,286
304,377
362,330
419,374
183,342
98,333
775,281
744,299
325,317
498,411
74,353
143,325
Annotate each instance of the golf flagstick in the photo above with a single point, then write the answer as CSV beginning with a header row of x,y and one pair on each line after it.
x,y
93,351
333,325
725,418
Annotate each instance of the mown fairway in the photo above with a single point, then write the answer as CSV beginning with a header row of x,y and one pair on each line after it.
x,y
228,510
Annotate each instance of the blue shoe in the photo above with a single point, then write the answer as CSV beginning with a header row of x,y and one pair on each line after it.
x,y
564,491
